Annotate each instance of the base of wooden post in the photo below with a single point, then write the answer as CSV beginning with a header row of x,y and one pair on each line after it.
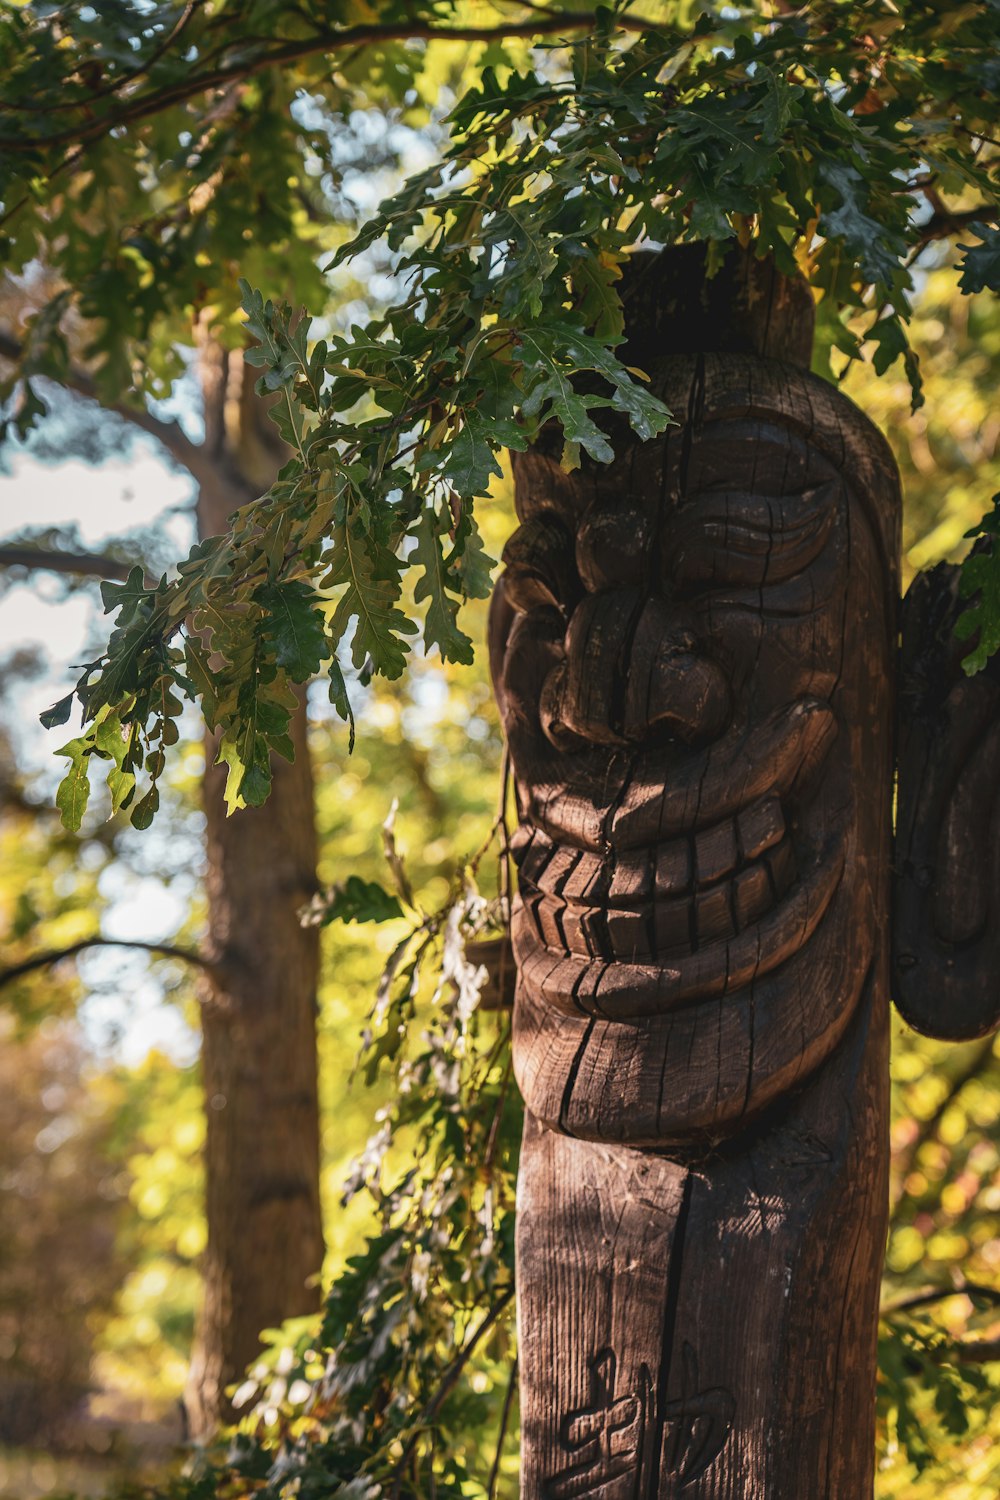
x,y
752,1379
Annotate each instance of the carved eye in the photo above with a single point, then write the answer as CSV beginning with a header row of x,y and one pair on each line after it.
x,y
734,539
540,566
613,545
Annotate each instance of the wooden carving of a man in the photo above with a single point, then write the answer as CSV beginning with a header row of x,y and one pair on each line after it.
x,y
694,652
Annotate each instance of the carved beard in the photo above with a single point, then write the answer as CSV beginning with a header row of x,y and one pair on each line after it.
x,y
687,646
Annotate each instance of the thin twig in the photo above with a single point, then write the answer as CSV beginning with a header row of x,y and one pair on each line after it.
x,y
942,224
508,1402
445,1386
977,1351
56,955
141,106
170,434
505,882
115,86
84,564
491,1143
941,1294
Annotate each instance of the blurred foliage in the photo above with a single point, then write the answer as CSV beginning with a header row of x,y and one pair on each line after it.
x,y
54,1171
142,1348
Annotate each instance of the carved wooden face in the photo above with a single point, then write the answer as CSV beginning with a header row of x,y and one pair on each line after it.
x,y
692,652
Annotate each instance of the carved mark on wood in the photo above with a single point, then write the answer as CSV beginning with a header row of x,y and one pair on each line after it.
x,y
696,1425
605,1438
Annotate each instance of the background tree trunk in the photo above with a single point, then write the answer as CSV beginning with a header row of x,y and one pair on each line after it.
x,y
265,1236
265,1240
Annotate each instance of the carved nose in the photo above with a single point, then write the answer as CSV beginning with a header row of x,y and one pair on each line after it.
x,y
632,670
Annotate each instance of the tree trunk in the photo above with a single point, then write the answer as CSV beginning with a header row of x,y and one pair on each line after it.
x,y
693,649
265,1238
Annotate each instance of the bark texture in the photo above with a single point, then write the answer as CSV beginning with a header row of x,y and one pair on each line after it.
x,y
693,651
265,1237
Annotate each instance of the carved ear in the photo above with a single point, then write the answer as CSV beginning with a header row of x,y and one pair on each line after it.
x,y
946,899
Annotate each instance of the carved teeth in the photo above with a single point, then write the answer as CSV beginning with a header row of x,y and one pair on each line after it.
x,y
576,926
629,934
631,879
715,853
781,863
751,895
617,990
672,927
713,915
647,905
587,881
673,869
644,931
760,827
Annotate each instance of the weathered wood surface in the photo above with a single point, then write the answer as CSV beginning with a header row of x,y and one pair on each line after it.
x,y
707,1330
693,652
946,914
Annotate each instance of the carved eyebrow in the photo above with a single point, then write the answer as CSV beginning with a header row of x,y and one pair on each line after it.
x,y
792,514
761,459
735,537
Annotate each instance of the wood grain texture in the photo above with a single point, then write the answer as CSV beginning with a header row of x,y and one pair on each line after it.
x,y
946,897
693,653
708,1330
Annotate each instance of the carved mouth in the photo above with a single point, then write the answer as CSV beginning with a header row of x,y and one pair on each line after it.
x,y
634,931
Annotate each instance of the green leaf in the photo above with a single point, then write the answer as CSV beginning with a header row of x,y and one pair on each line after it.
x,y
145,809
436,587
980,584
109,737
125,596
593,280
58,713
371,576
121,785
473,563
74,789
471,459
243,776
889,336
340,699
358,900
875,247
255,786
981,264
201,680
295,627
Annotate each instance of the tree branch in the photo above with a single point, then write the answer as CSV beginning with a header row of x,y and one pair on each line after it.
x,y
170,434
142,105
56,955
943,223
447,1384
86,564
508,1401
977,1351
941,1294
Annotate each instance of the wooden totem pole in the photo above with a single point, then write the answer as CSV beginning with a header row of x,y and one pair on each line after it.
x,y
694,656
